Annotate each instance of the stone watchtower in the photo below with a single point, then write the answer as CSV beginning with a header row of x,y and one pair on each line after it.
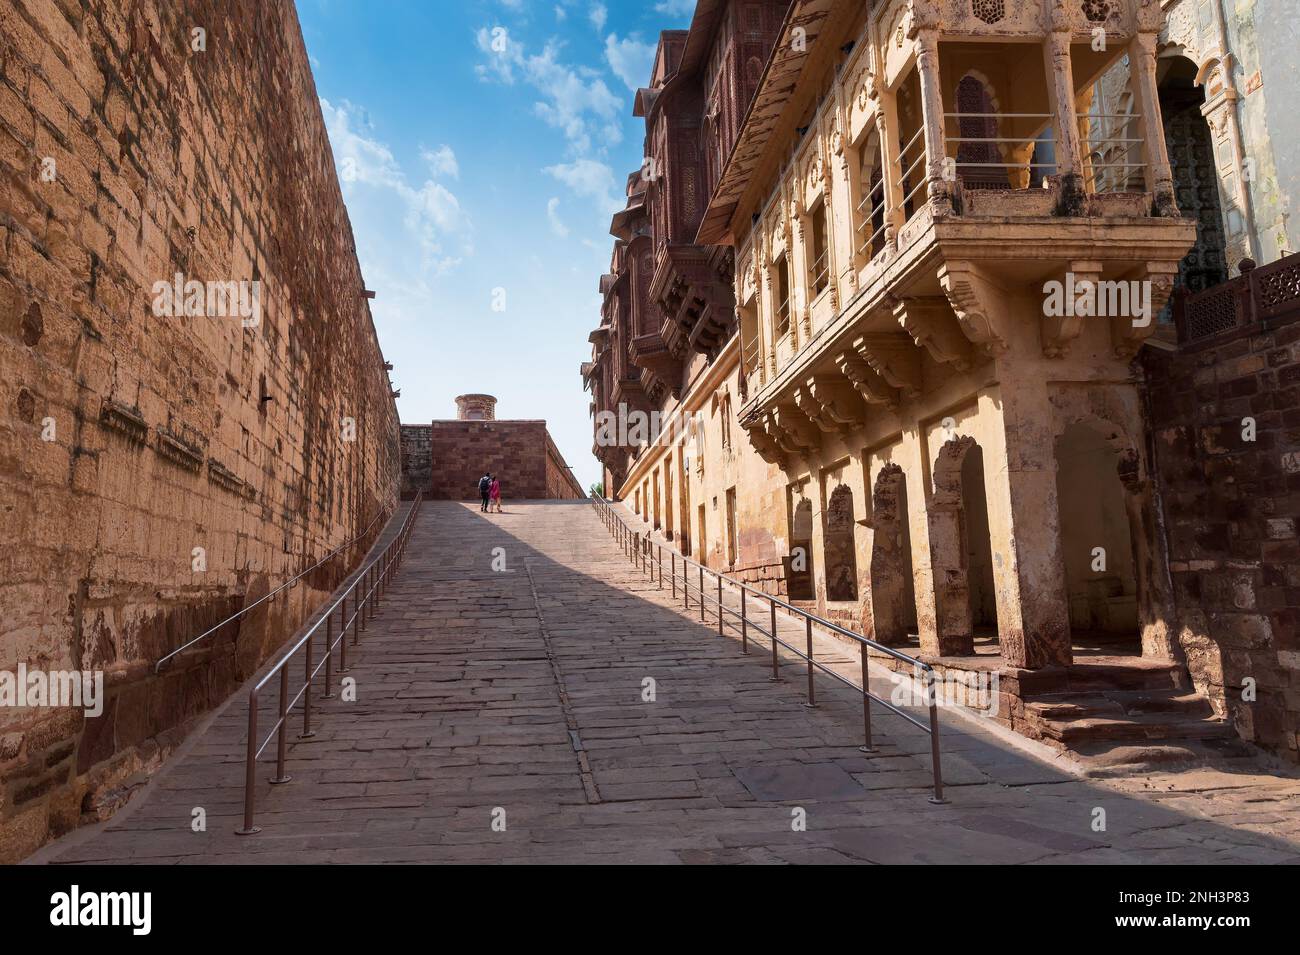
x,y
476,408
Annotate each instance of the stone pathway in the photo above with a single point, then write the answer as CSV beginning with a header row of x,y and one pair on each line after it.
x,y
502,716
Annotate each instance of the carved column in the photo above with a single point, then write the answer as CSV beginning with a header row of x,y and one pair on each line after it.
x,y
1159,177
891,175
927,67
1069,164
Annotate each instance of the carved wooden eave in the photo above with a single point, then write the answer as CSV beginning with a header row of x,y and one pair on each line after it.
x,y
767,113
895,358
979,304
930,322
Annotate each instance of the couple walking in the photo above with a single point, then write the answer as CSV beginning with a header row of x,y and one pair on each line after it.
x,y
489,490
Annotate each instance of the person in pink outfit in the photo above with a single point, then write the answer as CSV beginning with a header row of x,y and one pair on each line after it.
x,y
494,494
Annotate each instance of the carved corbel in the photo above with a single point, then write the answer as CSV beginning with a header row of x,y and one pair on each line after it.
x,y
931,324
1128,332
831,404
873,389
980,305
895,358
793,430
762,442
1062,315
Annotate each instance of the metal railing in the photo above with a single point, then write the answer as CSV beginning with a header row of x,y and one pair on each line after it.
x,y
1107,150
157,667
908,169
365,594
872,200
976,178
648,556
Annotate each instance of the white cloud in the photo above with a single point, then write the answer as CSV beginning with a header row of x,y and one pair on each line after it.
x,y
431,213
630,59
598,15
591,180
675,8
574,100
552,213
441,161
561,14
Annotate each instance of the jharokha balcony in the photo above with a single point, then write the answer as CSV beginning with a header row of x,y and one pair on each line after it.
x,y
955,222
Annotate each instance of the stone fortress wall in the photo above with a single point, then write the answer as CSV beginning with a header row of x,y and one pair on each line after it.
x,y
158,472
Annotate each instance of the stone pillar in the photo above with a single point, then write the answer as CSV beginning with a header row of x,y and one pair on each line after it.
x,y
1159,176
927,66
1060,87
912,458
1028,568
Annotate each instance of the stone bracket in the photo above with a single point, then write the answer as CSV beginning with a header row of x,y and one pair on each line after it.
x,y
830,403
979,304
1060,331
930,321
1125,334
895,358
873,389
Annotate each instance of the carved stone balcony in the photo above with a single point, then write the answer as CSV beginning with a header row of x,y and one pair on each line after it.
x,y
698,303
659,364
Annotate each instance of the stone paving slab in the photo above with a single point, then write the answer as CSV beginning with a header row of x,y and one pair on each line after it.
x,y
520,695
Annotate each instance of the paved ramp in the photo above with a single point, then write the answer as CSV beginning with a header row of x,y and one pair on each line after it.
x,y
503,714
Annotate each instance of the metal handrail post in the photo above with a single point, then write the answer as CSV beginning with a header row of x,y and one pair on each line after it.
x,y
250,770
307,731
868,746
776,673
937,798
343,634
812,700
744,624
282,744
329,658
672,576
719,605
701,593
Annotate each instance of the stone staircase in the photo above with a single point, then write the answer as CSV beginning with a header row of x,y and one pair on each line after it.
x,y
1119,719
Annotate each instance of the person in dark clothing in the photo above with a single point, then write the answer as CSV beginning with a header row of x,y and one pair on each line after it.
x,y
484,488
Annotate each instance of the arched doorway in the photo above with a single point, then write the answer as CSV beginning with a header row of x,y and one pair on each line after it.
x,y
798,564
960,549
1097,543
889,613
1196,178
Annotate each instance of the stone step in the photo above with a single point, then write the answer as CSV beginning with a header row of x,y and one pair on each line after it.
x,y
1157,727
1106,759
1070,706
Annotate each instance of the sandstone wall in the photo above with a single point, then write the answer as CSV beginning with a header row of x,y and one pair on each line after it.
x,y
1230,510
417,459
521,453
127,438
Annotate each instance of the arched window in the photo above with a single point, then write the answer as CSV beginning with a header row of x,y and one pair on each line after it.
x,y
979,162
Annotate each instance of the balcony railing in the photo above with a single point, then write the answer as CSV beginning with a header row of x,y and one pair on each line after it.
x,y
1111,148
1256,297
977,175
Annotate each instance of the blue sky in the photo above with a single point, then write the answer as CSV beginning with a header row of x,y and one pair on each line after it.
x,y
482,146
